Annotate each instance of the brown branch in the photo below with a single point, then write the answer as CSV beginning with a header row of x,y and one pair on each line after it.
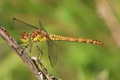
x,y
30,63
44,70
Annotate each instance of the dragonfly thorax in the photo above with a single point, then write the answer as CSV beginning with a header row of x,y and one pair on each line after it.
x,y
37,35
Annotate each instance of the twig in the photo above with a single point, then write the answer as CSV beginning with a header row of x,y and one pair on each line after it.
x,y
31,64
44,70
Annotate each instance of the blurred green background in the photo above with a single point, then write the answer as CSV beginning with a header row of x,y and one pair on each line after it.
x,y
75,18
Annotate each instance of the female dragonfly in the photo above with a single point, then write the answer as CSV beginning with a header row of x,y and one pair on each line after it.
x,y
40,34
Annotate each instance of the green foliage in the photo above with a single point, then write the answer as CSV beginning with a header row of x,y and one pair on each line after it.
x,y
75,18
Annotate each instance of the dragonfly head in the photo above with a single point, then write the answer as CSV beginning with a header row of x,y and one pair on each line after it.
x,y
24,37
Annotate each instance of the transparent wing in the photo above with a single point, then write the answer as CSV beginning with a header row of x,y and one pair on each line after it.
x,y
52,52
52,48
22,26
41,27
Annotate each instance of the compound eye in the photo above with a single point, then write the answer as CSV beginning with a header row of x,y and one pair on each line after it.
x,y
24,37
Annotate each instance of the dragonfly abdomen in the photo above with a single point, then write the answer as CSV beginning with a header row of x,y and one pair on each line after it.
x,y
62,38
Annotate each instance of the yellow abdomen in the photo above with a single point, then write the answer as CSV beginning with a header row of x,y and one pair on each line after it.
x,y
55,37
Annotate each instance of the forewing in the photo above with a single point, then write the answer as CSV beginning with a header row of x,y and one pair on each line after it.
x,y
21,27
52,52
41,27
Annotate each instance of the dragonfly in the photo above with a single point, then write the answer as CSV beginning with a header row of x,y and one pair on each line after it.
x,y
40,34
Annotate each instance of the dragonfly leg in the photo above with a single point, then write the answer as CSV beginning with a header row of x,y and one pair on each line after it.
x,y
24,49
30,48
23,46
40,52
